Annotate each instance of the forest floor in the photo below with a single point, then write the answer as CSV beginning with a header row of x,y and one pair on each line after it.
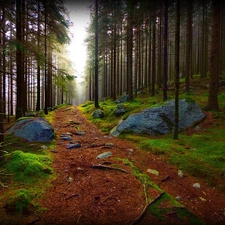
x,y
88,190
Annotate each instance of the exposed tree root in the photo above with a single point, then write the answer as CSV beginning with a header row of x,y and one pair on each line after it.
x,y
140,217
71,196
108,168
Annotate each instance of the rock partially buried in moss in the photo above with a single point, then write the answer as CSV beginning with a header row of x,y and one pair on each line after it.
x,y
35,129
98,114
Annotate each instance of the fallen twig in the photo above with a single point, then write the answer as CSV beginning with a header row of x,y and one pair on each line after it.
x,y
78,220
108,197
108,167
170,213
71,196
95,145
140,217
166,178
6,174
4,186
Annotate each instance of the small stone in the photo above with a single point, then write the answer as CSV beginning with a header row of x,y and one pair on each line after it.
x,y
70,146
197,185
79,168
202,199
66,134
105,136
104,155
80,133
98,114
65,138
180,173
155,172
96,138
178,198
69,179
197,128
44,147
97,197
54,151
109,145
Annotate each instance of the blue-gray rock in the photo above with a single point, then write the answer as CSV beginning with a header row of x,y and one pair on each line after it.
x,y
66,138
160,120
70,146
120,110
80,133
35,129
124,98
98,114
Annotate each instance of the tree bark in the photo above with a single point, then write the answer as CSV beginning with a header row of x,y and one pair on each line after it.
x,y
19,61
96,56
153,57
38,105
130,52
177,54
214,59
1,104
165,53
188,45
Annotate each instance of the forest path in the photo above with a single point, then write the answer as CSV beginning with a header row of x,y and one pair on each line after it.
x,y
83,194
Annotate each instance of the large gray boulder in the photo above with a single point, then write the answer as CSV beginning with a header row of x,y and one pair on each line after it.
x,y
33,129
160,120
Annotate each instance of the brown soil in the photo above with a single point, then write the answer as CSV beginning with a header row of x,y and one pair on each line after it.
x,y
81,194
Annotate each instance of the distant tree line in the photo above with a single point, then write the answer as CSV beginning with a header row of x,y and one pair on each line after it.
x,y
145,45
32,66
34,72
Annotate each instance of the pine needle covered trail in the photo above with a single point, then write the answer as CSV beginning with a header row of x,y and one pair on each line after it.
x,y
104,180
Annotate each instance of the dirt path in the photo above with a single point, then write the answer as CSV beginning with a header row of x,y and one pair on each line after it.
x,y
85,195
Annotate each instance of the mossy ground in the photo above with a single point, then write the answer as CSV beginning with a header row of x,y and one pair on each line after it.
x,y
26,172
200,153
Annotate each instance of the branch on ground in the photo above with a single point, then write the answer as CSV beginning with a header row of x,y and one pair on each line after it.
x,y
140,217
108,168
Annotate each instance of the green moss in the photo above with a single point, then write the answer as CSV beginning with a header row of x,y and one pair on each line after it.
x,y
22,201
144,178
24,118
27,167
200,154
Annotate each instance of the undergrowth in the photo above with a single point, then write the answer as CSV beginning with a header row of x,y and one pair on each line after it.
x,y
26,172
166,203
200,153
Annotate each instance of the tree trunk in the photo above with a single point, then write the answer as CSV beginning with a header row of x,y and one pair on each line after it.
x,y
188,45
159,63
165,54
214,59
130,53
153,57
177,54
46,66
38,106
19,61
1,105
96,55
